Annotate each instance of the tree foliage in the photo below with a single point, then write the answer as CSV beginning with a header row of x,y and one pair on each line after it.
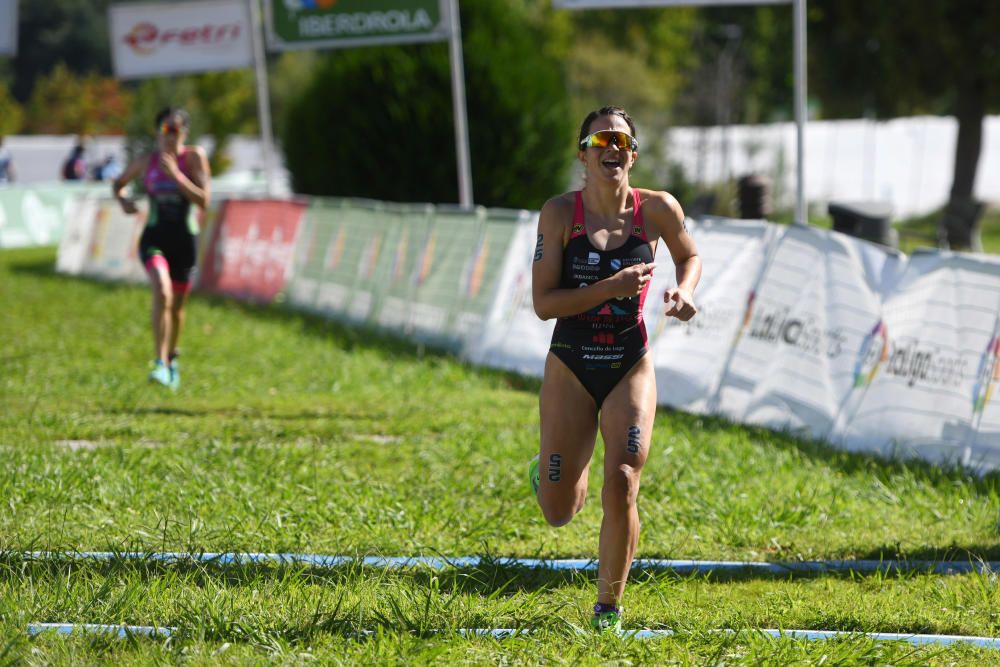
x,y
73,32
378,122
11,113
899,57
63,103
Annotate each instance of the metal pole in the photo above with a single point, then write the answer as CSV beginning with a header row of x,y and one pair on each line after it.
x,y
458,101
801,215
263,95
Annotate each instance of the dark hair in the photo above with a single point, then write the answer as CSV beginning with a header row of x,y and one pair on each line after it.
x,y
604,111
168,112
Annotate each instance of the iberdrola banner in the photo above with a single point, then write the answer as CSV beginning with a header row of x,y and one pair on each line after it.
x,y
925,377
690,356
818,298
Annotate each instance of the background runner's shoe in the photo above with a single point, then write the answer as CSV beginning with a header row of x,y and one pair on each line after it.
x,y
607,621
175,374
534,477
160,373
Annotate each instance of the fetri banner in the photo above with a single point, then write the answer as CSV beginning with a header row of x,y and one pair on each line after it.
x,y
177,37
251,249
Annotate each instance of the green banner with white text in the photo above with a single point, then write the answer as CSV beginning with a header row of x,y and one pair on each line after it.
x,y
306,24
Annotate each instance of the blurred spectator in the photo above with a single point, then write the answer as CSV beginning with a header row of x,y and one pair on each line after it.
x,y
6,164
75,166
107,169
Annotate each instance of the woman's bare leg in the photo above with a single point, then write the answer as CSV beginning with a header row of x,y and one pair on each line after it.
x,y
626,427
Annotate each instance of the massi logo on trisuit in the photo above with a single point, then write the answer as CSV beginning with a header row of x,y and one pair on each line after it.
x,y
873,353
593,258
988,372
146,38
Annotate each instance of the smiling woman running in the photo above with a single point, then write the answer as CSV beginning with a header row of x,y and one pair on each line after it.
x,y
177,180
592,266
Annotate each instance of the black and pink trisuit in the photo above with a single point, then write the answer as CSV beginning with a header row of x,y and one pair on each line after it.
x,y
171,233
601,345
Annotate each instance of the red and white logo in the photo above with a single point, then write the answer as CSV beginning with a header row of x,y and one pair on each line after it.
x,y
145,38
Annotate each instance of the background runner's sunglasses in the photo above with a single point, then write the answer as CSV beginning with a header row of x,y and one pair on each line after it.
x,y
167,128
601,139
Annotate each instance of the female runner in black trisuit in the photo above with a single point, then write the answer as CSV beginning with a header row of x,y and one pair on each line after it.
x,y
592,266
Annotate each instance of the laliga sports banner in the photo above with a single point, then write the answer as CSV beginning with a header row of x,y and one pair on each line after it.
x,y
794,363
690,356
170,38
8,27
927,373
308,24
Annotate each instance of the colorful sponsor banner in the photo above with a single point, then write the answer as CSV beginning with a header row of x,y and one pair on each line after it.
x,y
36,216
150,39
309,24
817,300
8,27
112,247
513,337
690,356
410,252
925,374
249,253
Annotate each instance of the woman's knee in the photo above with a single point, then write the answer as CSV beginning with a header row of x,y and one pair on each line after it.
x,y
621,488
560,510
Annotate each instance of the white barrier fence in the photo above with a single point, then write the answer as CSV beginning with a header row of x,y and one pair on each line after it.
x,y
799,329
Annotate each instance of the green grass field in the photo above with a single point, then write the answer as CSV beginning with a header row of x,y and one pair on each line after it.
x,y
292,434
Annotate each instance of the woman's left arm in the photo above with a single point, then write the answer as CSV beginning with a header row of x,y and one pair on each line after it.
x,y
666,216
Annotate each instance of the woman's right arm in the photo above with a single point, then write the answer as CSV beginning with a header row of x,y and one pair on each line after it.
x,y
134,168
552,301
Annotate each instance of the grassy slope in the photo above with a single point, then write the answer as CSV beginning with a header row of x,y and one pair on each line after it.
x,y
293,434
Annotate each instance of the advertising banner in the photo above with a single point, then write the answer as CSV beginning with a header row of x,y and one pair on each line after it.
x,y
8,27
411,255
925,376
310,24
514,338
250,250
690,356
36,216
818,299
113,247
150,39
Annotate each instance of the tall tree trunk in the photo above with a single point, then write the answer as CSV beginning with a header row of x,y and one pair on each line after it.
x,y
959,227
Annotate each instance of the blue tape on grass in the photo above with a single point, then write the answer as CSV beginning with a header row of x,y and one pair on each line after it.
x,y
123,631
582,565
120,631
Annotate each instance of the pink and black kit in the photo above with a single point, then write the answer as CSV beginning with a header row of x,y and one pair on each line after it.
x,y
170,237
601,345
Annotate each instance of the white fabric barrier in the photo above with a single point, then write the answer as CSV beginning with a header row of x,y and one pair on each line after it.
x,y
818,297
690,357
925,378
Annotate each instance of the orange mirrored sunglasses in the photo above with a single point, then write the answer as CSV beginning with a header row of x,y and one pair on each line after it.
x,y
603,138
